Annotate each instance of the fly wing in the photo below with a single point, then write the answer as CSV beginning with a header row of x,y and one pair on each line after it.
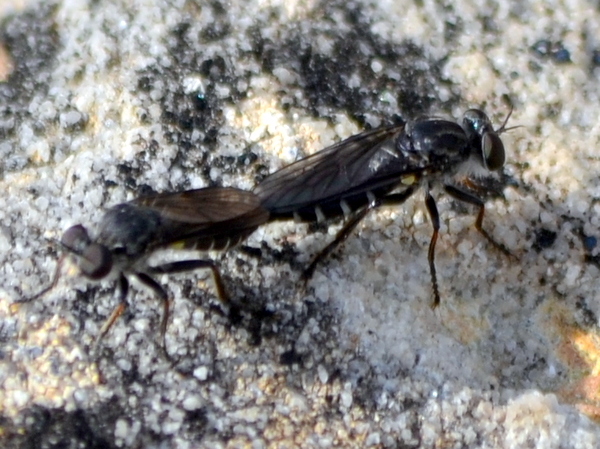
x,y
203,206
326,174
199,218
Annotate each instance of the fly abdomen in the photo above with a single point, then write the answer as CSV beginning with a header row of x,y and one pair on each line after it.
x,y
216,242
329,209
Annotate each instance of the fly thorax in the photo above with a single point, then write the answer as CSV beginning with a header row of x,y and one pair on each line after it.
x,y
443,143
424,144
128,230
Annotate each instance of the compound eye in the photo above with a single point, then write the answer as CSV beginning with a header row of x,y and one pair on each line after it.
x,y
75,239
95,261
492,150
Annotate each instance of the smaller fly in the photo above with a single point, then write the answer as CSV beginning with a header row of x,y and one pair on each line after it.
x,y
206,219
385,166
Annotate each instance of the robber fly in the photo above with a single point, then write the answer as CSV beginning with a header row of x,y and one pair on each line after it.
x,y
385,166
205,219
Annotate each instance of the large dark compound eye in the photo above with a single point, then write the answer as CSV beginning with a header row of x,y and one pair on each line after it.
x,y
94,260
75,239
492,150
475,122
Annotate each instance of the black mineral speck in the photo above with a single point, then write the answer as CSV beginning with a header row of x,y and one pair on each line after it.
x,y
589,242
554,51
596,58
544,239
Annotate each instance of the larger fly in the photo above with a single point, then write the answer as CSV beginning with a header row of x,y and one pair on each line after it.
x,y
204,219
386,166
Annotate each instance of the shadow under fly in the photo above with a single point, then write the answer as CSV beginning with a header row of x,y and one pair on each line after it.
x,y
207,219
385,166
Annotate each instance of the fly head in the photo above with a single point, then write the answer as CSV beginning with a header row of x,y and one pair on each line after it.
x,y
479,129
94,260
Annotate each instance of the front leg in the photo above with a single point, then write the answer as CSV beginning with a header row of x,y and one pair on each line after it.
x,y
435,222
162,294
122,289
470,198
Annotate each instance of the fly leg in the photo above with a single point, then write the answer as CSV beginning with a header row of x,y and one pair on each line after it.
x,y
467,197
162,294
178,267
148,281
190,265
435,222
350,225
122,289
339,238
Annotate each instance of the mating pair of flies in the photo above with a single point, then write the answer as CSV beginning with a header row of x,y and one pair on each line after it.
x,y
384,166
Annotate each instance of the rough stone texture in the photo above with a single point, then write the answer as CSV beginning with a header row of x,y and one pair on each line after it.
x,y
104,101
